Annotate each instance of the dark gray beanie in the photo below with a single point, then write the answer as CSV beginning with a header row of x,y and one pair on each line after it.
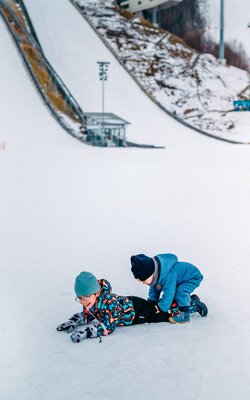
x,y
142,266
86,283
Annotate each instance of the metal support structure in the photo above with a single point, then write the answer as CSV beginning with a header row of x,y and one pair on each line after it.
x,y
222,46
103,75
155,16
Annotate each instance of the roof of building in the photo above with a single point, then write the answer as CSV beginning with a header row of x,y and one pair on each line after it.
x,y
109,118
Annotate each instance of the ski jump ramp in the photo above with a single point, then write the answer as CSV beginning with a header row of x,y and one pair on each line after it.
x,y
73,49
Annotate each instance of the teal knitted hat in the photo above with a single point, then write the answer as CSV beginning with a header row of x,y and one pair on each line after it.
x,y
86,283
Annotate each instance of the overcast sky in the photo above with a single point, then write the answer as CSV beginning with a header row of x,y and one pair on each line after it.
x,y
237,17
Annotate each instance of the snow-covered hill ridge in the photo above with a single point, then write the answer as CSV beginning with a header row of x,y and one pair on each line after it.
x,y
194,87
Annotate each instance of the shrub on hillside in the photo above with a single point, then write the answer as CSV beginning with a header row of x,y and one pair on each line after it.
x,y
235,53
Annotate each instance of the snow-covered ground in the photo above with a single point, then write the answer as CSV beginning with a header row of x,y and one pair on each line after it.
x,y
66,207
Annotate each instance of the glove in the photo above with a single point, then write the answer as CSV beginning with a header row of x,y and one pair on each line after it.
x,y
72,323
90,332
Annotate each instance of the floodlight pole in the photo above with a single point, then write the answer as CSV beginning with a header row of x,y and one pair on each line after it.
x,y
103,75
249,70
222,46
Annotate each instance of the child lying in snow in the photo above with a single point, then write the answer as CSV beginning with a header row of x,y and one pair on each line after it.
x,y
111,310
175,279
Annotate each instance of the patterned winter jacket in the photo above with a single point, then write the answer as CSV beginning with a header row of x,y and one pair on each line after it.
x,y
111,310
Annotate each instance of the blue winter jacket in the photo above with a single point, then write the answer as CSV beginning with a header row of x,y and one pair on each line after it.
x,y
174,275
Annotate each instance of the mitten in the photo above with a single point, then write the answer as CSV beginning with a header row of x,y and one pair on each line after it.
x,y
90,332
72,323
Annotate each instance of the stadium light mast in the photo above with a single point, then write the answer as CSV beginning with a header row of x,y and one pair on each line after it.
x,y
103,75
222,46
249,69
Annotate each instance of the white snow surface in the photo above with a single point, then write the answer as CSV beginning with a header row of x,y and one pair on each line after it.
x,y
67,207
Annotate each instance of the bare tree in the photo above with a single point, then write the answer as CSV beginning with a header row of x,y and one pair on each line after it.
x,y
187,21
183,18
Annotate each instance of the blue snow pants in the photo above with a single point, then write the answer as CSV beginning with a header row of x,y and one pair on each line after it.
x,y
184,289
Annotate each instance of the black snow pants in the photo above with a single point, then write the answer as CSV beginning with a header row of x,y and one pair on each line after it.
x,y
146,312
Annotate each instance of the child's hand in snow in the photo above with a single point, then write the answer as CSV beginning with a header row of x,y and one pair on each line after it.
x,y
72,323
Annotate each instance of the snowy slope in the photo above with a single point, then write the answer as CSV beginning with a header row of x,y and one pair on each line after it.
x,y
196,88
67,207
200,95
73,49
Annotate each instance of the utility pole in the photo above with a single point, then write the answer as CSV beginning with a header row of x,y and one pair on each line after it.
x,y
222,47
103,75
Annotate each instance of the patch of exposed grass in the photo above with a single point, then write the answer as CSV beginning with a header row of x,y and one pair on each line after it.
x,y
180,53
125,14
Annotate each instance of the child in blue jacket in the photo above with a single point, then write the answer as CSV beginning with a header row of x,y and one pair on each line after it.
x,y
174,279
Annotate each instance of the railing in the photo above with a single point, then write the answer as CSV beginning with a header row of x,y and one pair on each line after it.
x,y
27,21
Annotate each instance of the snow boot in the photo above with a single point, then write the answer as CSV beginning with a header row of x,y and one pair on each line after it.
x,y
180,318
198,306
